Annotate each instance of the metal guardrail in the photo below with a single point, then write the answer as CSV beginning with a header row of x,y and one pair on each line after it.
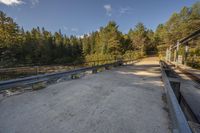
x,y
45,77
14,72
180,124
64,64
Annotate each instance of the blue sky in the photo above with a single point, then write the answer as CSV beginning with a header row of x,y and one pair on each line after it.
x,y
77,17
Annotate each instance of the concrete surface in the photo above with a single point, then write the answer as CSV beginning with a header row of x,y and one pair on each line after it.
x,y
191,92
195,72
121,100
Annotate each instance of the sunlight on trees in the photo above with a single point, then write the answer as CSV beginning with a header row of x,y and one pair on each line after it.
x,y
41,47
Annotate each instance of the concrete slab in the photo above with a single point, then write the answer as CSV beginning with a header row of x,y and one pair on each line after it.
x,y
191,92
193,71
122,100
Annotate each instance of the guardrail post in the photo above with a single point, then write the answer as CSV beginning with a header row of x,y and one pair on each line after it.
x,y
107,67
37,70
94,71
120,63
74,76
38,86
117,64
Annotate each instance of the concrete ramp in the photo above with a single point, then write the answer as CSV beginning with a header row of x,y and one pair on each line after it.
x,y
126,99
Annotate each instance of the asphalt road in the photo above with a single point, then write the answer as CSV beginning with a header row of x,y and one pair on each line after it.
x,y
126,99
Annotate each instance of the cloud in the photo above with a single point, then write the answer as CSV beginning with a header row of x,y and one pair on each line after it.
x,y
83,35
34,2
70,29
65,28
74,29
125,10
11,2
80,36
108,9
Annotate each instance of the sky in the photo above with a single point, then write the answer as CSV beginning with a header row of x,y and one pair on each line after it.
x,y
78,17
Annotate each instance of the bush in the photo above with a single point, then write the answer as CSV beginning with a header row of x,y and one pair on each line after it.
x,y
131,55
99,59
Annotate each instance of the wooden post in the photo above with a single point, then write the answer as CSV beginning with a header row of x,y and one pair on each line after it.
x,y
170,49
166,56
176,57
94,71
186,54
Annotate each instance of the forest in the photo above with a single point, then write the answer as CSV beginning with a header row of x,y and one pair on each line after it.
x,y
42,47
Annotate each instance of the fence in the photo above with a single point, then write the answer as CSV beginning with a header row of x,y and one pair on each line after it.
x,y
186,51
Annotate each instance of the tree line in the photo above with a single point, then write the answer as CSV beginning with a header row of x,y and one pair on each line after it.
x,y
40,46
179,26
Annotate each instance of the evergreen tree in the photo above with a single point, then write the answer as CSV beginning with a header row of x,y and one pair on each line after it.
x,y
9,39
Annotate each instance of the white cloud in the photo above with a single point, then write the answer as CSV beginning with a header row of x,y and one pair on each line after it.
x,y
125,10
11,2
34,2
65,28
74,29
108,9
70,29
80,36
